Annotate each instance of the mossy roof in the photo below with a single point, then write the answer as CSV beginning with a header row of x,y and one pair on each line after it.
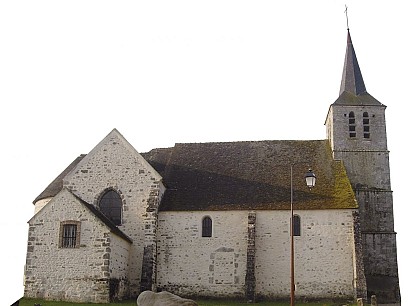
x,y
244,175
350,99
251,175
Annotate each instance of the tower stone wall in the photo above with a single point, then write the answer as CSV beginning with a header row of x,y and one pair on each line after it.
x,y
356,130
367,164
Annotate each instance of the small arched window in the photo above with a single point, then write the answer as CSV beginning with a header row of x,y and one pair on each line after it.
x,y
352,125
110,205
296,225
207,227
366,127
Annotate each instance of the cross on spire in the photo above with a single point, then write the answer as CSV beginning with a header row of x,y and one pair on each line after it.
x,y
347,17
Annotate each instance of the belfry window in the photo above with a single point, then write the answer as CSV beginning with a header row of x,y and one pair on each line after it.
x,y
207,227
352,125
110,205
366,127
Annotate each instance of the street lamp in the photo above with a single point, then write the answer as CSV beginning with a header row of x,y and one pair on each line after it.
x,y
310,182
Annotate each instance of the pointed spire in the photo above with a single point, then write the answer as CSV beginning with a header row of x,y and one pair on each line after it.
x,y
352,80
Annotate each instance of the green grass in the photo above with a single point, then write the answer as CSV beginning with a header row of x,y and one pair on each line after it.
x,y
31,302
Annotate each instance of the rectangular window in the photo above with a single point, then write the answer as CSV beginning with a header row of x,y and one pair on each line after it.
x,y
69,234
296,225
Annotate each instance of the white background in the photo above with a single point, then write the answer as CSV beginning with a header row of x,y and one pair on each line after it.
x,y
163,72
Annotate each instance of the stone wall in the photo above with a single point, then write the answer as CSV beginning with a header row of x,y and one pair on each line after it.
x,y
360,166
40,204
367,165
75,274
250,261
148,276
189,264
337,124
119,268
359,267
323,254
376,210
115,164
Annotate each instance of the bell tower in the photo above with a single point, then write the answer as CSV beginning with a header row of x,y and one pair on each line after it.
x,y
356,130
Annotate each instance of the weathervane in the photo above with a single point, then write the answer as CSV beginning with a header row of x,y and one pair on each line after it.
x,y
347,17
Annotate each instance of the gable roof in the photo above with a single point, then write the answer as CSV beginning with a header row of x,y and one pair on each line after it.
x,y
108,223
57,184
113,228
250,175
245,175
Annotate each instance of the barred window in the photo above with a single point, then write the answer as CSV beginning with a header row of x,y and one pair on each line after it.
x,y
110,205
207,227
69,234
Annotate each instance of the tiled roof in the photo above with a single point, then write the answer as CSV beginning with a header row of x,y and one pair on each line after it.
x,y
251,175
244,175
349,99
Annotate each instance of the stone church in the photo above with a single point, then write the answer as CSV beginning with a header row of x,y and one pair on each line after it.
x,y
213,219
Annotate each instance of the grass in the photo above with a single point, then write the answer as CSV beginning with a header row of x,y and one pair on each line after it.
x,y
31,302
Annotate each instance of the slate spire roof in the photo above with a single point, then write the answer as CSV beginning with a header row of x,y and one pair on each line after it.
x,y
352,80
353,90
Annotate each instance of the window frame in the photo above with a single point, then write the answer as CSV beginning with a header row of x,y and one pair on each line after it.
x,y
108,211
366,125
352,125
69,242
297,228
207,227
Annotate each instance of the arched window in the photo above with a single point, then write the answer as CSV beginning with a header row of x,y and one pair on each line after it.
x,y
296,225
111,205
207,227
352,125
366,127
